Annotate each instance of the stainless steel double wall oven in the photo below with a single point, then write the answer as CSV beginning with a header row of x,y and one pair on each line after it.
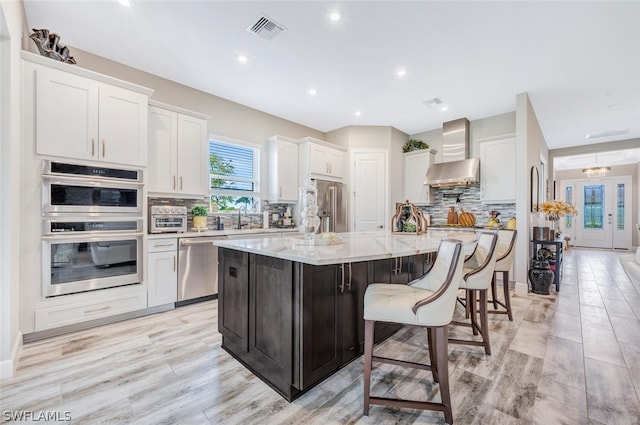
x,y
92,228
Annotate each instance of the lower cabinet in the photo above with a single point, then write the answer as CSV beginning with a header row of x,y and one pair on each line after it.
x,y
332,307
162,262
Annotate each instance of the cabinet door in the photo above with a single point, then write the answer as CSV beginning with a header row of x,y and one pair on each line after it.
x,y
283,171
193,156
335,158
123,126
233,308
498,170
271,319
163,146
162,282
356,281
322,322
318,160
416,165
66,115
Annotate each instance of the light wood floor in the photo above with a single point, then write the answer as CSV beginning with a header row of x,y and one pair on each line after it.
x,y
568,358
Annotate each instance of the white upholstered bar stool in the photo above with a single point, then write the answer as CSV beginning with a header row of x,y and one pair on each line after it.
x,y
477,277
506,252
427,302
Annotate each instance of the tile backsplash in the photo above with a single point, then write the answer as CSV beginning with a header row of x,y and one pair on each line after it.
x,y
468,199
230,219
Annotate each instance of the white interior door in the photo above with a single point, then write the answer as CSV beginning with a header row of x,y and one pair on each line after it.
x,y
370,200
604,212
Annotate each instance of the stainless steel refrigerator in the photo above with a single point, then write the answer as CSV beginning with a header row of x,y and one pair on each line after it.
x,y
332,206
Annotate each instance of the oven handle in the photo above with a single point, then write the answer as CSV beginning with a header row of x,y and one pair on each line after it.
x,y
91,181
91,236
200,240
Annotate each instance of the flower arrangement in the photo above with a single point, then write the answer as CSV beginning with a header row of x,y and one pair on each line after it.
x,y
555,209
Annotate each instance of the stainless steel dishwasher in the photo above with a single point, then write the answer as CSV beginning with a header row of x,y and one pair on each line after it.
x,y
197,269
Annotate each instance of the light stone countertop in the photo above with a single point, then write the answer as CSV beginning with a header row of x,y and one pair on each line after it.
x,y
354,247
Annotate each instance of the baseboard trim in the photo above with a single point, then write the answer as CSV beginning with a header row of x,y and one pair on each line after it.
x,y
8,367
521,288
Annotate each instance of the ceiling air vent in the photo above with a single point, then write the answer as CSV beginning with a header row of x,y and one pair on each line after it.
x,y
266,28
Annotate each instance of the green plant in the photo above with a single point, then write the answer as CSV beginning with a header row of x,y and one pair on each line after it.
x,y
414,145
199,211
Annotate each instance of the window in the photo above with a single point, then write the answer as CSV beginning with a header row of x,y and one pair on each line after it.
x,y
620,207
593,206
568,197
234,174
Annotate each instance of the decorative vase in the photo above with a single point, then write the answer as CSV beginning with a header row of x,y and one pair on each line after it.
x,y
541,276
310,222
200,221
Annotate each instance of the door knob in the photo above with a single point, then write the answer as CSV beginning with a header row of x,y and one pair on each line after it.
x,y
381,226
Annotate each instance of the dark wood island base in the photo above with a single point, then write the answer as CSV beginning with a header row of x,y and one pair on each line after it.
x,y
294,324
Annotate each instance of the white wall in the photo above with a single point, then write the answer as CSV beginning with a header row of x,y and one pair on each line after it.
x,y
12,27
530,147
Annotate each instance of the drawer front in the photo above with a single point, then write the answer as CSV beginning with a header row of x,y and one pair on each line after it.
x,y
162,245
54,317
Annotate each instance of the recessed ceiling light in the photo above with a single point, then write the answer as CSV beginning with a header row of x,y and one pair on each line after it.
x,y
335,15
614,106
313,92
126,3
401,72
358,113
444,108
242,58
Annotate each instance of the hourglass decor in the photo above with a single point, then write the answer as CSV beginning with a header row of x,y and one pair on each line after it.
x,y
309,220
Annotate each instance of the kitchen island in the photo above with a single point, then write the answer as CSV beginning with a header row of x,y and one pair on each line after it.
x,y
292,313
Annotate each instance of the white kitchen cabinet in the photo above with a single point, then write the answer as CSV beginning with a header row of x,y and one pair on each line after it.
x,y
321,160
282,157
162,276
416,165
81,118
178,152
498,170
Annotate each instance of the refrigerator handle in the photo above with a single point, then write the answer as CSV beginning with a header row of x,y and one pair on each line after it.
x,y
333,199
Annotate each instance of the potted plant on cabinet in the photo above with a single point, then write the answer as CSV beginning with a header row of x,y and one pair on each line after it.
x,y
414,145
199,214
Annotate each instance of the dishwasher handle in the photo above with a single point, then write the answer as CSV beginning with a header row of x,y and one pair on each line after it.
x,y
199,241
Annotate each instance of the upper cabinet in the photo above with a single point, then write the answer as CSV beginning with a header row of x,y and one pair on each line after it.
x,y
498,170
416,165
178,152
282,156
80,117
323,160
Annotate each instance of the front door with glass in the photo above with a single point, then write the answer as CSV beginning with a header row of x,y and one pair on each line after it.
x,y
604,211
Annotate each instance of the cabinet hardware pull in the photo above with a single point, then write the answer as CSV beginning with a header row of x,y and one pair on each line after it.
x,y
349,281
174,182
342,280
103,147
96,310
158,245
93,146
174,263
180,182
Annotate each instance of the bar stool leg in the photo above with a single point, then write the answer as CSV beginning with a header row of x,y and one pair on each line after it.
x,y
471,296
442,361
493,292
432,354
507,297
484,322
368,354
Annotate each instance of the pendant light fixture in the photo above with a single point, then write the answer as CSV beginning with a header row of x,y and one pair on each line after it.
x,y
596,170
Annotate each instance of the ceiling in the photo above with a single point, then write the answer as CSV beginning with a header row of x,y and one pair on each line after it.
x,y
579,62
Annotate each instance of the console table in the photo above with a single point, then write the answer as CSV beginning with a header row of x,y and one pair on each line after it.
x,y
558,243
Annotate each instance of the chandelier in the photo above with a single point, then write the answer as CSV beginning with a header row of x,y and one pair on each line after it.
x,y
596,170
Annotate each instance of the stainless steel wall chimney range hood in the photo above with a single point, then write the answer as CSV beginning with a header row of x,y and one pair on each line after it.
x,y
456,167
